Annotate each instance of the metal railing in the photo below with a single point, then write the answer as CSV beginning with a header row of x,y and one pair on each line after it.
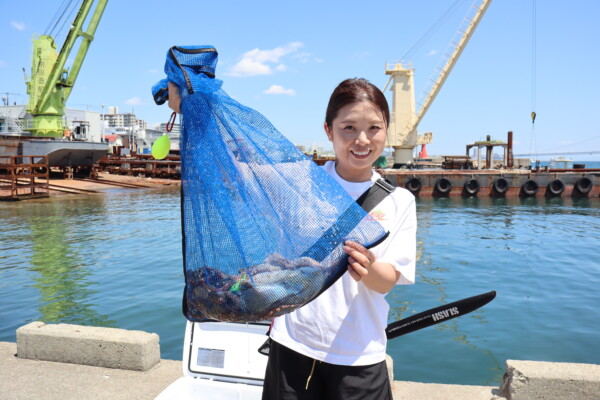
x,y
24,177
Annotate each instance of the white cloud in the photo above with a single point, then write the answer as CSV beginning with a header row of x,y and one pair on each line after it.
x,y
20,26
153,71
277,89
304,57
134,101
432,52
260,62
249,67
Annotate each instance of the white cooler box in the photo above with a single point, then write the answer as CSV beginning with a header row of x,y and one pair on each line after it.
x,y
221,362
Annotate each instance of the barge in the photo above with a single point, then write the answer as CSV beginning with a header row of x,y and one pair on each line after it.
x,y
497,183
486,177
59,153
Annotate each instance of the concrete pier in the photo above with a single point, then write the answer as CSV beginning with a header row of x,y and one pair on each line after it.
x,y
86,345
26,373
25,379
547,380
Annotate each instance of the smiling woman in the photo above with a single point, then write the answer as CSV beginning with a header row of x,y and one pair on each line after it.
x,y
343,328
356,123
358,135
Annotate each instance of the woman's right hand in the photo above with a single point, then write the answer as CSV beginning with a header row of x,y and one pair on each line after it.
x,y
174,98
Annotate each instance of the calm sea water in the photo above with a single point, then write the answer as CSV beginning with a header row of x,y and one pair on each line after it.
x,y
115,260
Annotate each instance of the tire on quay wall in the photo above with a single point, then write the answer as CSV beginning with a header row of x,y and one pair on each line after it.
x,y
471,187
500,185
556,187
584,185
530,187
443,186
413,185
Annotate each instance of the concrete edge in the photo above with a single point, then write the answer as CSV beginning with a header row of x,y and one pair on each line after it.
x,y
87,345
139,351
541,379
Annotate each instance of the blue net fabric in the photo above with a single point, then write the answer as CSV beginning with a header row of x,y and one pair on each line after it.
x,y
263,225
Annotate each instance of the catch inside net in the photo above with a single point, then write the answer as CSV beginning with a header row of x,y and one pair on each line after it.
x,y
263,226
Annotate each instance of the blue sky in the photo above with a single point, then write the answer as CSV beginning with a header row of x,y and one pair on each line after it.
x,y
284,59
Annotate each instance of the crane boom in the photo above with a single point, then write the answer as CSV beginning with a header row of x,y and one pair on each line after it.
x,y
458,49
402,133
50,84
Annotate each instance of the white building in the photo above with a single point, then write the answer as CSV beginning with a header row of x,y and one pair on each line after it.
x,y
84,125
127,120
175,131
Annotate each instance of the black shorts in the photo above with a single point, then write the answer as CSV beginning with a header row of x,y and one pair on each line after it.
x,y
291,375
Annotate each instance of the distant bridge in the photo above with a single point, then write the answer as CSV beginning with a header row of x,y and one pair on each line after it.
x,y
558,153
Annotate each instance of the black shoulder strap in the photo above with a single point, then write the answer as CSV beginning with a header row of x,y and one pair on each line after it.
x,y
375,194
368,200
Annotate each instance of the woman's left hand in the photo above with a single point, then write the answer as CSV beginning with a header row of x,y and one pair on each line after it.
x,y
360,260
364,267
174,98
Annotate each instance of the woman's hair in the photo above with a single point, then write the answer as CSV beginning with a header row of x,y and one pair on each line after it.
x,y
352,91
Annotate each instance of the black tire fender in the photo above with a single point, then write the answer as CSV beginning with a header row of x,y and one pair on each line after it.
x,y
584,185
472,186
443,186
530,187
500,185
556,187
413,185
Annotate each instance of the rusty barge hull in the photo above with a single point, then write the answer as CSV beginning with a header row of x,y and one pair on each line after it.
x,y
497,183
59,153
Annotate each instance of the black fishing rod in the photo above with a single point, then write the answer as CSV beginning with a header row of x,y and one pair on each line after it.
x,y
439,314
426,318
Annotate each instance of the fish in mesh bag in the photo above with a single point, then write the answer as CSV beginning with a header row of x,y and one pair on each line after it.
x,y
263,226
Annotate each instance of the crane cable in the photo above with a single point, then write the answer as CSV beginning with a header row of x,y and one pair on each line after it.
x,y
433,29
533,75
62,17
533,60
60,13
69,20
427,35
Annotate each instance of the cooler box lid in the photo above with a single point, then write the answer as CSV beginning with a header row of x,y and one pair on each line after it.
x,y
221,361
226,352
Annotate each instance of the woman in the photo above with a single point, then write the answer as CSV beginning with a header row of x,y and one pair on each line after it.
x,y
334,347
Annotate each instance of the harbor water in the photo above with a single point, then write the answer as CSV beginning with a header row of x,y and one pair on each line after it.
x,y
114,259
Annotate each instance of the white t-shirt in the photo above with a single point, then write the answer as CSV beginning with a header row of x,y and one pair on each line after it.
x,y
346,324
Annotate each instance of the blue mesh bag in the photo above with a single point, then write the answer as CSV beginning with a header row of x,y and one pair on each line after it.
x,y
263,226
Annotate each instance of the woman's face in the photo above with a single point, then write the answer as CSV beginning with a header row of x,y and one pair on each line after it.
x,y
358,134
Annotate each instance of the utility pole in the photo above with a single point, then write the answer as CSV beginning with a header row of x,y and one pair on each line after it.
x,y
102,127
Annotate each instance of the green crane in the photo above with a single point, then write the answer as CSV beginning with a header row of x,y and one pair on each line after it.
x,y
51,83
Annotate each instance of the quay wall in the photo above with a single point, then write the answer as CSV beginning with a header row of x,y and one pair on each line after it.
x,y
497,183
82,350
